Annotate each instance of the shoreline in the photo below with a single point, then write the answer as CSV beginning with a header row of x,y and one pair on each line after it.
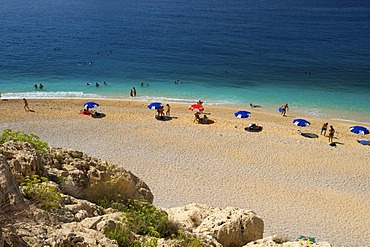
x,y
299,186
325,113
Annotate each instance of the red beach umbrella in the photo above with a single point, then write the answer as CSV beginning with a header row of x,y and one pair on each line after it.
x,y
196,108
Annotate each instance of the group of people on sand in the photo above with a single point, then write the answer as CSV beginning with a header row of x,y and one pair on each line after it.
x,y
198,119
162,113
324,128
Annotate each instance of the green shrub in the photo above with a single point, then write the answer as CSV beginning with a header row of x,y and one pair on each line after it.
x,y
10,135
187,241
141,218
105,193
145,219
39,190
121,234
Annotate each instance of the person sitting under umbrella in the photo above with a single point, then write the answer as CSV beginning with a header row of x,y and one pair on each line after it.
x,y
86,111
204,119
197,117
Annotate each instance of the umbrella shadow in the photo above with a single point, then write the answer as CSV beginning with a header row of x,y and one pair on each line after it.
x,y
364,142
164,118
253,128
334,144
98,115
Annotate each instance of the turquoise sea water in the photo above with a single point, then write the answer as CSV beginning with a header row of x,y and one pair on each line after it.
x,y
313,55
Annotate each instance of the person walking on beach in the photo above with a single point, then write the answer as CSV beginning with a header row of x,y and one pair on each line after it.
x,y
331,133
168,111
26,108
284,109
324,128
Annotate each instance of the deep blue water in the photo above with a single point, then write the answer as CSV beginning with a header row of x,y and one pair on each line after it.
x,y
314,55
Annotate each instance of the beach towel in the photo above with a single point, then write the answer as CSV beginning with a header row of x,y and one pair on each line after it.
x,y
163,118
309,135
84,113
307,239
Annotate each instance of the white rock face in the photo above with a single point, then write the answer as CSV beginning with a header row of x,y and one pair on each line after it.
x,y
230,226
11,198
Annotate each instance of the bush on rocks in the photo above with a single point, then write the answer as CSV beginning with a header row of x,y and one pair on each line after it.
x,y
10,135
41,192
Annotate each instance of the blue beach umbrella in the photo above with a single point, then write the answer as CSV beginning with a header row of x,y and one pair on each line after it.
x,y
301,122
155,105
91,105
359,130
242,114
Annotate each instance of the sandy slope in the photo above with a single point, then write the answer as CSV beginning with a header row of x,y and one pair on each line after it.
x,y
299,186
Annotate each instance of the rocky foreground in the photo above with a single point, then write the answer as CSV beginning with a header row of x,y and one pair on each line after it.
x,y
77,221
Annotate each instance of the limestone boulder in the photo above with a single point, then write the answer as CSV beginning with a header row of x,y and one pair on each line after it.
x,y
72,170
232,226
88,232
22,159
190,216
11,199
78,171
78,209
229,226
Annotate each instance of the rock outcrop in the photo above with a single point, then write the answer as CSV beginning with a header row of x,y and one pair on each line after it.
x,y
72,170
77,221
11,198
230,226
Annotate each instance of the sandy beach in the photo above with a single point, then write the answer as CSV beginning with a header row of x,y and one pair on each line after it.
x,y
299,186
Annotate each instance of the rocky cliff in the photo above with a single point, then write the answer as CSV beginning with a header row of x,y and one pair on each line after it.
x,y
79,181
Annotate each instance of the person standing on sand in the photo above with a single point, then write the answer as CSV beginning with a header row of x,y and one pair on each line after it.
x,y
161,111
324,128
284,109
26,108
331,133
168,111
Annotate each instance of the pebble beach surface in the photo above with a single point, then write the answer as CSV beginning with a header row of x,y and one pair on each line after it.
x,y
299,186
